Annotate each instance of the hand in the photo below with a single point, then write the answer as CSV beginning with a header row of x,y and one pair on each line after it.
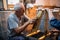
x,y
54,30
32,20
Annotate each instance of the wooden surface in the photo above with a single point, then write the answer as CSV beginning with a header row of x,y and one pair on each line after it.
x,y
31,13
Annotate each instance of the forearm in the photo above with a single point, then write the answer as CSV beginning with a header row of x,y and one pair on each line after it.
x,y
21,28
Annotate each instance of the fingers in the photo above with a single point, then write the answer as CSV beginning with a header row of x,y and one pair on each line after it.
x,y
32,21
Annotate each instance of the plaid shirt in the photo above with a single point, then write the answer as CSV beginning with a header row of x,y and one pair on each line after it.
x,y
55,23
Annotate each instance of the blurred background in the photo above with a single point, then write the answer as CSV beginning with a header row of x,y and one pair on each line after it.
x,y
7,6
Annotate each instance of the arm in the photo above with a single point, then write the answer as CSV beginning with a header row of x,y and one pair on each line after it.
x,y
21,28
14,26
53,22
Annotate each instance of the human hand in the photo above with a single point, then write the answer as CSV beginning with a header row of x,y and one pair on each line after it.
x,y
54,30
32,20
